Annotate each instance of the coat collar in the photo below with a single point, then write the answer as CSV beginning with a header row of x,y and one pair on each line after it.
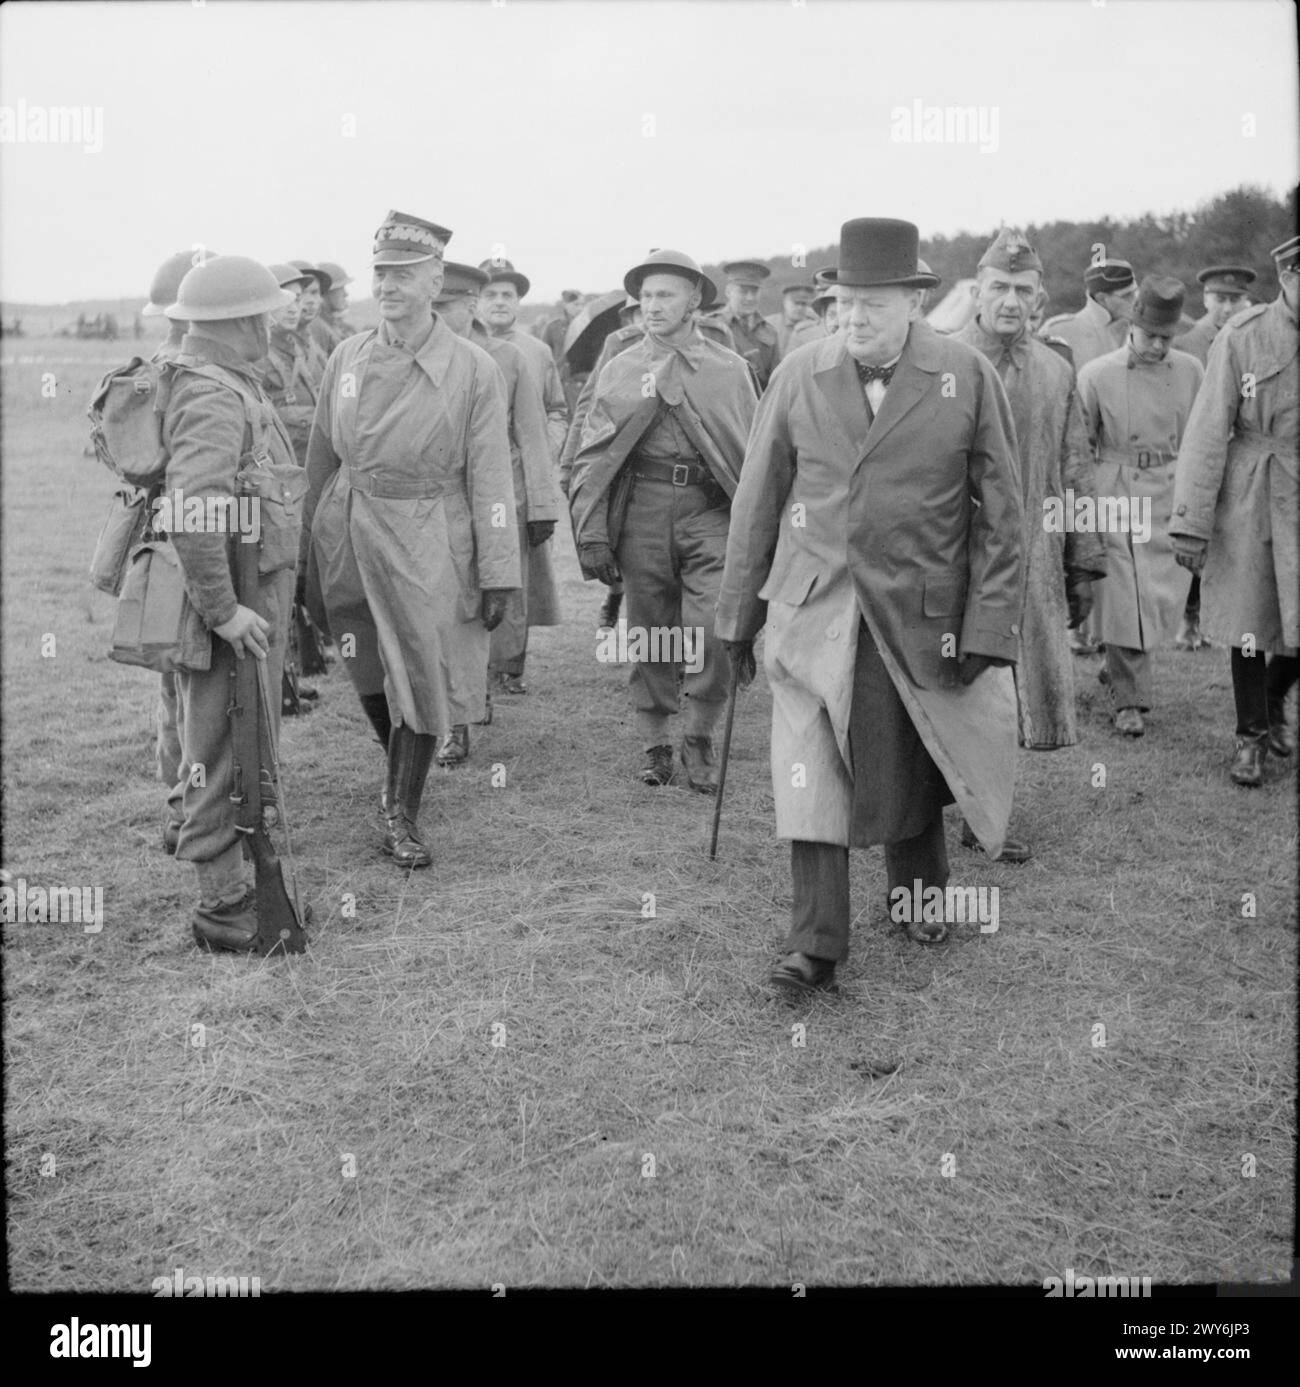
x,y
210,350
435,353
993,346
838,382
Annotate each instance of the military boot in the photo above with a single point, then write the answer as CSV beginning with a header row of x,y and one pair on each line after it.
x,y
1281,743
409,757
455,746
375,707
1248,762
229,928
700,764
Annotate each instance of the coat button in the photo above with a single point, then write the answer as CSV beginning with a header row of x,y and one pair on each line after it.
x,y
1015,630
832,633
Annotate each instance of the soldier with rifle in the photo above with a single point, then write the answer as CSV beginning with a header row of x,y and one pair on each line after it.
x,y
223,439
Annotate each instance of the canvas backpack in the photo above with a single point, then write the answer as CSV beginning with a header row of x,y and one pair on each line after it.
x,y
126,414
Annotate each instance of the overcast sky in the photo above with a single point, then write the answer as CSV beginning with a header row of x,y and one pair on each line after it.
x,y
578,135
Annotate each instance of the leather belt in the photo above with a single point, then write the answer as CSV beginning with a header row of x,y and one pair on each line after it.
x,y
396,488
676,473
1141,458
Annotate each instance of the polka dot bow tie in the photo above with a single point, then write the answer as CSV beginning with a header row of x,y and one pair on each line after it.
x,y
884,374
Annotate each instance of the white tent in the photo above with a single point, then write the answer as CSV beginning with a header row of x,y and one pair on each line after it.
x,y
956,309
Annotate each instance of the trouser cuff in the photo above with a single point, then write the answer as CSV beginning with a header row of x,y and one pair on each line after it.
x,y
221,880
702,717
653,728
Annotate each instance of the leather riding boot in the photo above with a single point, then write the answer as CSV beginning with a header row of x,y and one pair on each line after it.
x,y
375,707
409,757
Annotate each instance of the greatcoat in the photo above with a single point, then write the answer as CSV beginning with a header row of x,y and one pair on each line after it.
x,y
1135,413
536,496
1236,482
711,392
1198,340
411,504
913,521
1056,468
1089,333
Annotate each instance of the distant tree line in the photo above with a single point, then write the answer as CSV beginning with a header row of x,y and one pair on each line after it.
x,y
1238,227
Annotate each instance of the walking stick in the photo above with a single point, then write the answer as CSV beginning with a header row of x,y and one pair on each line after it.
x,y
726,752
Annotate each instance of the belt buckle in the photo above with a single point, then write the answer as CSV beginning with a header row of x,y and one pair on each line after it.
x,y
685,469
1144,458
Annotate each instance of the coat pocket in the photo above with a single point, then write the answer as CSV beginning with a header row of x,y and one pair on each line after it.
x,y
791,580
278,493
945,596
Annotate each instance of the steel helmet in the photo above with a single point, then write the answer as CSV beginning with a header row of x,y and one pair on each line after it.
x,y
337,274
318,272
167,280
231,286
286,274
671,262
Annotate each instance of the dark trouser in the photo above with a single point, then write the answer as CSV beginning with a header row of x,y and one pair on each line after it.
x,y
671,554
898,799
1130,677
171,768
509,646
208,836
1192,611
820,871
1259,687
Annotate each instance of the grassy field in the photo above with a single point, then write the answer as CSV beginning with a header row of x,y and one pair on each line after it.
x,y
507,1070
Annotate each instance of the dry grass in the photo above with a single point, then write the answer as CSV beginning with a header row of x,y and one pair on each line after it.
x,y
625,1037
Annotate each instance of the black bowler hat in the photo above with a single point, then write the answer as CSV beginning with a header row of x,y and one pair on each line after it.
x,y
876,252
1159,308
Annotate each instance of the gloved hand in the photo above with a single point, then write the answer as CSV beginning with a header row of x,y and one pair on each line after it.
x,y
1189,551
599,560
1078,597
539,531
970,667
494,607
740,655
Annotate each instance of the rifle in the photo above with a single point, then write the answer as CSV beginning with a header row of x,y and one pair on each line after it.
x,y
279,922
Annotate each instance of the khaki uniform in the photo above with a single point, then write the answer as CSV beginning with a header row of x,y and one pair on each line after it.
x,y
1135,413
412,514
1236,482
314,356
757,344
1055,466
213,436
1199,340
327,331
289,387
652,477
546,377
1089,333
167,748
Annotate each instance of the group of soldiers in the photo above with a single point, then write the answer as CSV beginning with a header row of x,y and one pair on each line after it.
x,y
877,497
